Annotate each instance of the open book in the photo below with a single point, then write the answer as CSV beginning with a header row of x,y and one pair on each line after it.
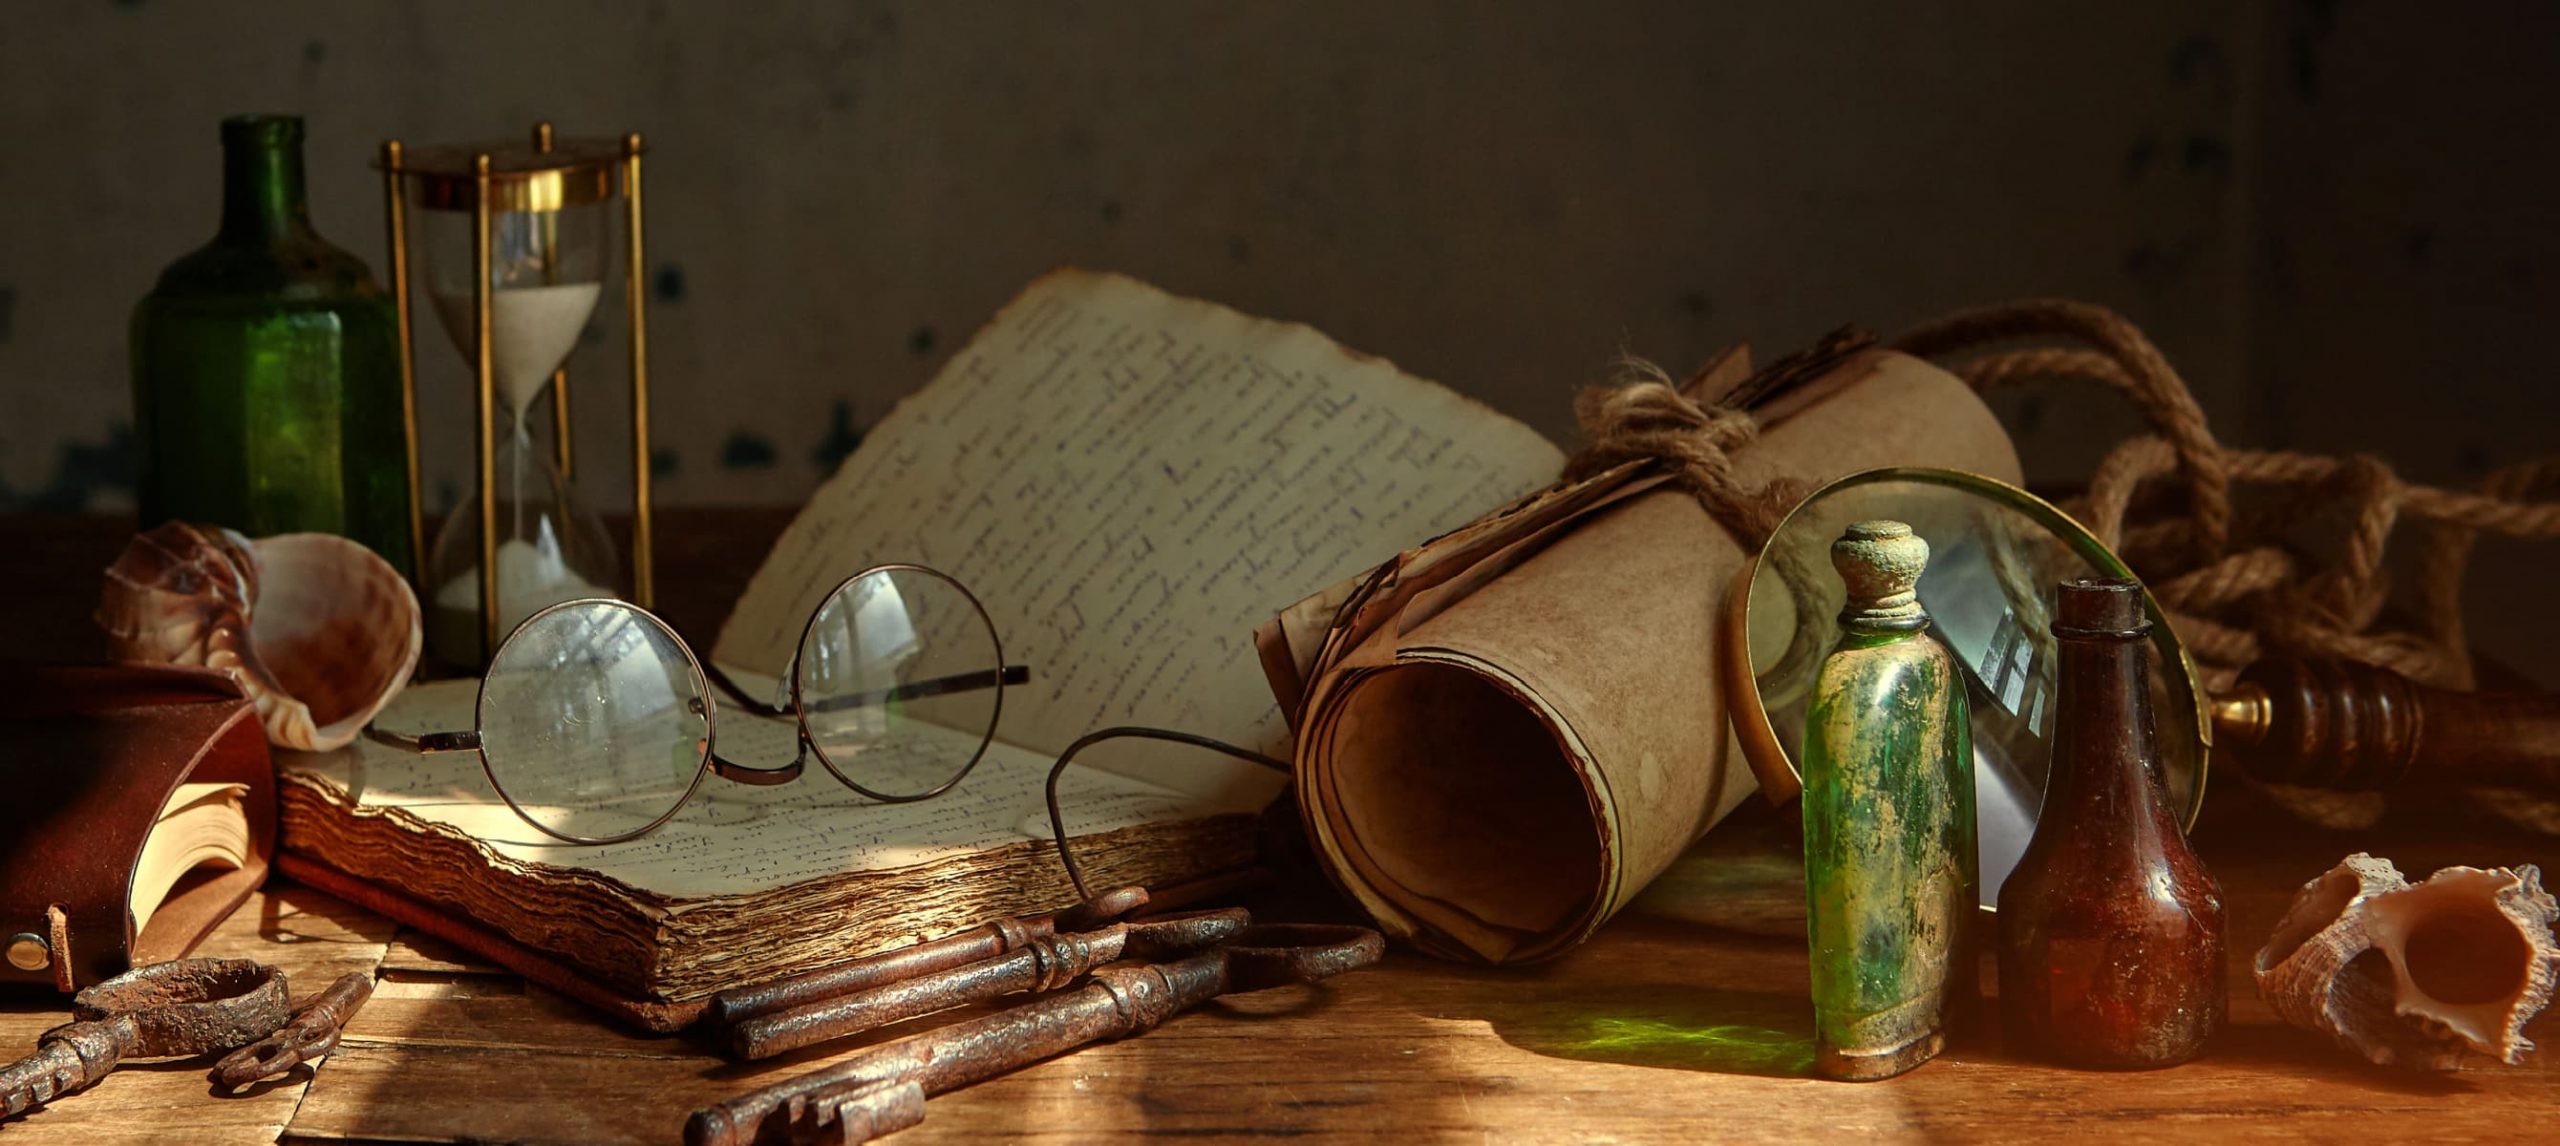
x,y
1130,482
204,824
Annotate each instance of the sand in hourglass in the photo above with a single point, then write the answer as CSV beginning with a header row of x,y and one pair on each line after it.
x,y
531,331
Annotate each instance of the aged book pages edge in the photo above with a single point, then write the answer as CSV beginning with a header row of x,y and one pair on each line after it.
x,y
203,824
656,947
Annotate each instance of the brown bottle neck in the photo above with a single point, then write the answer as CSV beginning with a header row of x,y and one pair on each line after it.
x,y
2106,762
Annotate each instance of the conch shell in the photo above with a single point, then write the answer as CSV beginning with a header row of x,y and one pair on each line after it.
x,y
2415,975
319,631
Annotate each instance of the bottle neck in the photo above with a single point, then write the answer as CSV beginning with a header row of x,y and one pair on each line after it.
x,y
262,190
2105,761
1895,613
1862,632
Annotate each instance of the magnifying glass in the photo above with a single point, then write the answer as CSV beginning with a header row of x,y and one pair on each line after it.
x,y
1996,553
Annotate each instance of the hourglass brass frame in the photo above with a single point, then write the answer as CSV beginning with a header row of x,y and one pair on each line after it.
x,y
544,174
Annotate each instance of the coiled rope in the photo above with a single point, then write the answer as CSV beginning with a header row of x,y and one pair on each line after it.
x,y
2233,582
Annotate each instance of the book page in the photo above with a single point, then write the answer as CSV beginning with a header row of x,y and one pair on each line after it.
x,y
1131,482
202,822
732,839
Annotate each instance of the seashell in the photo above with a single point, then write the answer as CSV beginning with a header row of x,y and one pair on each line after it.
x,y
2415,975
319,631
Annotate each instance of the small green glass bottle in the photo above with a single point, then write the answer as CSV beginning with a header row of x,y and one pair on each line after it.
x,y
266,369
1889,864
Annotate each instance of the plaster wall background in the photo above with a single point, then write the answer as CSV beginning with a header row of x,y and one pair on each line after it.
x,y
1500,197
2334,217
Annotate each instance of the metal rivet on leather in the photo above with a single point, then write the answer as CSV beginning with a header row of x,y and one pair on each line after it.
x,y
29,952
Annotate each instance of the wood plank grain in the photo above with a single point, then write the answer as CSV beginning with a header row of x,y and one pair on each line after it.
x,y
1660,1030
416,951
515,1016
312,937
1362,1060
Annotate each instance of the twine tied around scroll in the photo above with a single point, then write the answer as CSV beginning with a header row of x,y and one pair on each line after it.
x,y
1639,414
1642,414
2230,572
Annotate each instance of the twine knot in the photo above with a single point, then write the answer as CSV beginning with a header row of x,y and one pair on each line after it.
x,y
1641,415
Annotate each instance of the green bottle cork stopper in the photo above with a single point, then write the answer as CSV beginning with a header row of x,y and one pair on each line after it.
x,y
1880,562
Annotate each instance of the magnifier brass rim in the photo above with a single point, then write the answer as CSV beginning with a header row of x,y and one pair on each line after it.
x,y
799,665
1758,737
701,688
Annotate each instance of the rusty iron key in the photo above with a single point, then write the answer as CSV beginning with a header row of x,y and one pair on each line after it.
x,y
882,1090
188,1007
1042,965
987,940
312,1032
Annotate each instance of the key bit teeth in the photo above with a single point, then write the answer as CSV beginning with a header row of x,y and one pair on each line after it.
x,y
879,1110
53,1071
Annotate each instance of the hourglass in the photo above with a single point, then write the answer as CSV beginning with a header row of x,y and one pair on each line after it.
x,y
518,252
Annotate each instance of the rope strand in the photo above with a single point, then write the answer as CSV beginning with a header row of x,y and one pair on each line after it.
x,y
2231,580
2234,589
2116,354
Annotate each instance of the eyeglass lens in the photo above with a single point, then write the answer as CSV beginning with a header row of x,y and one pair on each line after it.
x,y
899,682
593,721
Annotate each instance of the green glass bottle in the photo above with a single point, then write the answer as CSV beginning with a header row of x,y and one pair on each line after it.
x,y
266,369
1889,864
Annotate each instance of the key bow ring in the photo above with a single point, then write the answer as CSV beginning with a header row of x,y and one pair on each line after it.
x,y
181,1008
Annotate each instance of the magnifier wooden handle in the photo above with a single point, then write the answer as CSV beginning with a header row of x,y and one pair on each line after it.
x,y
2344,724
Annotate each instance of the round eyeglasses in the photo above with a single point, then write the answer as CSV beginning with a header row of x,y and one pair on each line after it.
x,y
596,723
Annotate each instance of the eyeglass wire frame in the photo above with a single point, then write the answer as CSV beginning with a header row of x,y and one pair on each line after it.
x,y
704,674
1057,816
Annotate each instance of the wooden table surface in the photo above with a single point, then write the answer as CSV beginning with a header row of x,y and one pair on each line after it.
x,y
1685,1020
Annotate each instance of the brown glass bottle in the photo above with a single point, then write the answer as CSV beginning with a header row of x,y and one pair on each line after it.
x,y
2110,928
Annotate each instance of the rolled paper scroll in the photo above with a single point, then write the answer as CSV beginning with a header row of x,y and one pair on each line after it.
x,y
1504,734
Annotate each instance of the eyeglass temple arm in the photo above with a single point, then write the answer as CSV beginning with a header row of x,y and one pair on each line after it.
x,y
466,741
1058,818
424,741
910,690
918,689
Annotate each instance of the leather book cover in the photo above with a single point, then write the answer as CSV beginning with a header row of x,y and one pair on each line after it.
x,y
89,757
